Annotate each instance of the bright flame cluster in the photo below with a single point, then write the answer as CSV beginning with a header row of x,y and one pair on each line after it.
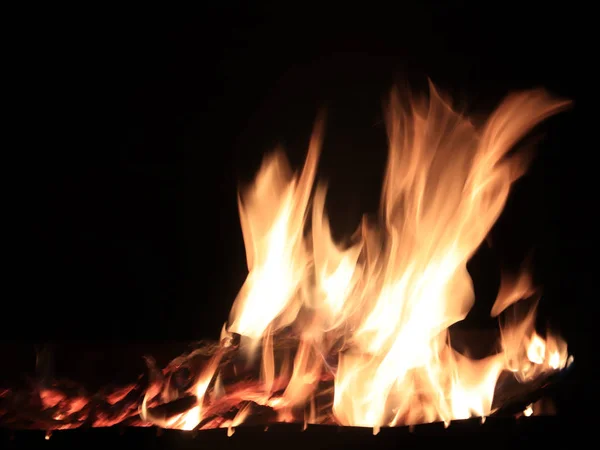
x,y
384,304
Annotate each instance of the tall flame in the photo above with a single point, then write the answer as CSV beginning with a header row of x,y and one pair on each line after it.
x,y
392,296
385,303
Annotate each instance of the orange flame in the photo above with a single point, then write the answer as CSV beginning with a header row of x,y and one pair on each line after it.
x,y
386,302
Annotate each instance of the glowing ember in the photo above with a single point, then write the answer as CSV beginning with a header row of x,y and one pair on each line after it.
x,y
358,335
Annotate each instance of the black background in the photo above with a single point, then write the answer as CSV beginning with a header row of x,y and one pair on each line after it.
x,y
134,130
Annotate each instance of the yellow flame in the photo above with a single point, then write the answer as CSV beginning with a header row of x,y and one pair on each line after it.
x,y
385,302
393,294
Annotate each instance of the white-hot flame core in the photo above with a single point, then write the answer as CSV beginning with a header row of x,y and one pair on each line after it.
x,y
391,297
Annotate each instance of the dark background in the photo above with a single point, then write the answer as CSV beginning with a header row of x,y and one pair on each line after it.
x,y
134,129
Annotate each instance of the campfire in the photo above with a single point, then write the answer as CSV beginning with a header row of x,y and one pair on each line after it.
x,y
353,333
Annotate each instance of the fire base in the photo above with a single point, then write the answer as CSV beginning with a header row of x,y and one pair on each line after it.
x,y
511,433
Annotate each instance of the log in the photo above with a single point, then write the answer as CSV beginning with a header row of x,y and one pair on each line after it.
x,y
513,397
88,403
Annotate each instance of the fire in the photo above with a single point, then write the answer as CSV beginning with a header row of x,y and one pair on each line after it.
x,y
383,305
358,334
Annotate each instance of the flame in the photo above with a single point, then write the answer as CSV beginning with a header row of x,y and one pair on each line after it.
x,y
392,295
361,331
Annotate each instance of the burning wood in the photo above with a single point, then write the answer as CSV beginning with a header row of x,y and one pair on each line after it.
x,y
355,335
68,405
